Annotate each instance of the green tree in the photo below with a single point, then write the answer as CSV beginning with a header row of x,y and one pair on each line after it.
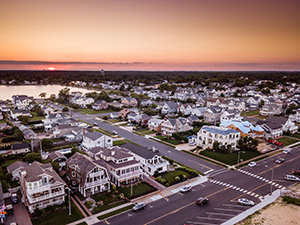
x,y
32,156
47,143
65,109
24,119
43,95
216,146
52,97
63,95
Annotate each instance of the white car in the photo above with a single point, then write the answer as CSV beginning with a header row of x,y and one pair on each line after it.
x,y
192,143
186,189
115,132
287,151
291,178
245,201
252,164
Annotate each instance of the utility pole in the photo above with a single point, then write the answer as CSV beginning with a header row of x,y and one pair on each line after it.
x,y
69,203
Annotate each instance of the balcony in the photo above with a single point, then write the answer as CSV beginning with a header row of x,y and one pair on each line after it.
x,y
158,164
32,199
128,175
96,183
96,174
45,187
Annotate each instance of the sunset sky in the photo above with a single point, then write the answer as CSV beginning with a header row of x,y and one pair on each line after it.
x,y
150,35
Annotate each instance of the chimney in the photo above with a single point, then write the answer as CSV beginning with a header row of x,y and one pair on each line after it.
x,y
113,152
153,148
83,131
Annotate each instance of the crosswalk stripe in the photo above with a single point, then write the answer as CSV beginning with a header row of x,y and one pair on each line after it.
x,y
245,191
252,194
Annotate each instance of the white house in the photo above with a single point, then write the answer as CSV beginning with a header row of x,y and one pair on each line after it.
x,y
171,126
231,115
18,112
207,135
155,124
150,160
95,139
295,117
21,101
41,186
198,111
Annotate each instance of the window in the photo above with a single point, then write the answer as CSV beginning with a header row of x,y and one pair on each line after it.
x,y
73,174
74,183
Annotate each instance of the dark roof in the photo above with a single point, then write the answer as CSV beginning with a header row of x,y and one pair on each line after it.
x,y
118,165
216,109
20,146
139,150
93,136
55,155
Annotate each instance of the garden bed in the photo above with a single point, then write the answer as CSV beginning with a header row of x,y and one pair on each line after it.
x,y
176,176
137,189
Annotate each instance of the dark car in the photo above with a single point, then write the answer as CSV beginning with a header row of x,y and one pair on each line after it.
x,y
139,206
186,189
9,210
95,124
201,201
280,160
158,134
14,198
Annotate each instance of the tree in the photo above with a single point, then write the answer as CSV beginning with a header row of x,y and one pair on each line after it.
x,y
122,88
43,95
47,143
63,95
65,109
24,119
216,146
52,97
32,156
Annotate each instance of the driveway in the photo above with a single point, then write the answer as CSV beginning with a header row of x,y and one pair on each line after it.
x,y
23,216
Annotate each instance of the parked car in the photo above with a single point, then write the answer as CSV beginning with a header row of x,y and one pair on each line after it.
x,y
202,200
9,210
115,132
139,206
287,151
14,198
291,178
245,201
280,160
295,172
157,134
95,124
192,143
274,142
252,164
129,124
13,223
186,189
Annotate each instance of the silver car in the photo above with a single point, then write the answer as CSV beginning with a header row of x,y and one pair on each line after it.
x,y
245,201
186,189
138,207
291,178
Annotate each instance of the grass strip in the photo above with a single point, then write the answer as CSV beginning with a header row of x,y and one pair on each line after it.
x,y
171,160
258,159
107,215
162,143
199,156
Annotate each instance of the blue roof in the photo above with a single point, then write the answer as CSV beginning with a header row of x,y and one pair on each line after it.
x,y
219,130
244,126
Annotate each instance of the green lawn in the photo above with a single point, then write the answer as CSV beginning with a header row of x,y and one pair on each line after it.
x,y
287,141
296,135
59,217
106,207
114,212
164,138
3,121
91,111
8,162
35,117
170,176
230,158
137,190
119,142
250,113
147,131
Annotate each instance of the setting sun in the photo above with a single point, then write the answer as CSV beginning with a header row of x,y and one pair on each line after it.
x,y
51,68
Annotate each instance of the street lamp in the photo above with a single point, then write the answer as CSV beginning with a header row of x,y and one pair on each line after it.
x,y
272,177
69,203
239,152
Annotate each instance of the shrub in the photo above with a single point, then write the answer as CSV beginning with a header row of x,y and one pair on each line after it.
x,y
291,200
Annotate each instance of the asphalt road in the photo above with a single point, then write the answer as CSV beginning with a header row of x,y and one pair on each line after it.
x,y
181,157
223,191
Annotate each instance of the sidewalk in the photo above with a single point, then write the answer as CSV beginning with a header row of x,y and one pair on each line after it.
x,y
268,200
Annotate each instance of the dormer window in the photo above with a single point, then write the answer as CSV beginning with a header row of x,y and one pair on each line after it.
x,y
45,180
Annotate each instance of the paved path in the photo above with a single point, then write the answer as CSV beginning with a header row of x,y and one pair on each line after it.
x,y
21,214
78,206
83,206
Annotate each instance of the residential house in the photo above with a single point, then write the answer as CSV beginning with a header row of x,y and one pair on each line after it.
x,y
295,117
155,124
20,148
254,101
170,126
207,135
150,161
14,114
231,115
274,126
270,110
123,113
213,114
129,102
244,127
146,102
41,186
27,133
133,117
169,107
47,110
62,130
95,139
54,118
120,163
86,175
100,104
15,169
57,156
82,101
186,109
198,111
213,102
21,101
144,119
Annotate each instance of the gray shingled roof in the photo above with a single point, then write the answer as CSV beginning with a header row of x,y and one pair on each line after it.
x,y
93,136
139,150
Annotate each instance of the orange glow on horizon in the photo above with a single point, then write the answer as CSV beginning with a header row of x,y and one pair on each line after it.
x,y
51,68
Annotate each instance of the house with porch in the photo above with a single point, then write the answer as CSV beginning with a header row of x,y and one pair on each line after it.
x,y
95,139
86,175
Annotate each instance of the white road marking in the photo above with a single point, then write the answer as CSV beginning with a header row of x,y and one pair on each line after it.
x,y
233,210
190,222
209,218
241,206
221,214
